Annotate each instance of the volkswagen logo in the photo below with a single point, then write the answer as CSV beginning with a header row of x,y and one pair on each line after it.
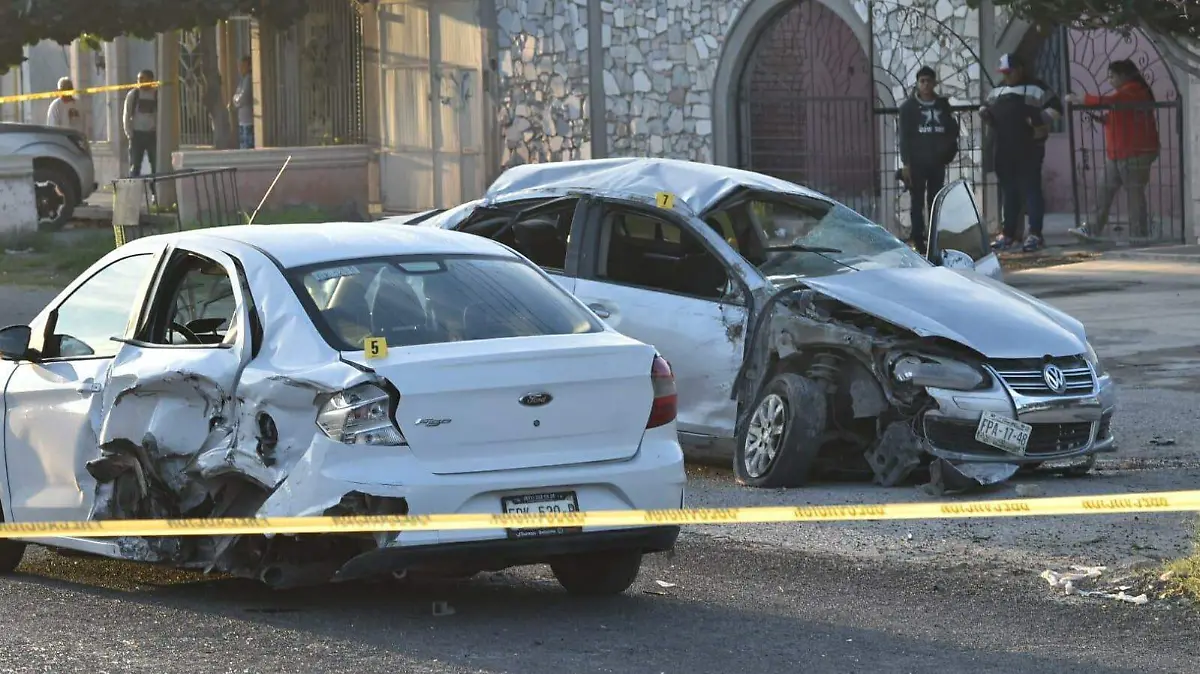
x,y
1054,378
535,399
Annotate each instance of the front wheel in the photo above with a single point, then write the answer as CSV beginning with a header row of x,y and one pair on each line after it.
x,y
56,198
780,442
597,574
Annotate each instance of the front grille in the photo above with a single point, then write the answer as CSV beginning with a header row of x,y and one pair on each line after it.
x,y
1026,376
959,436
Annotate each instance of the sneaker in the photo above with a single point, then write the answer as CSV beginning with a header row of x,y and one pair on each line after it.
x,y
1083,232
1003,243
1032,243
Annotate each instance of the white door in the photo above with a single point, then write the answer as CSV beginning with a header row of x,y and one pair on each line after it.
x,y
192,344
654,280
956,225
431,60
53,407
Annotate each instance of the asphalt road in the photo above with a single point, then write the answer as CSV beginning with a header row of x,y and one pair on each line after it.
x,y
735,607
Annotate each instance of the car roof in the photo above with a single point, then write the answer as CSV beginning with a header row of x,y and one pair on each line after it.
x,y
313,243
698,186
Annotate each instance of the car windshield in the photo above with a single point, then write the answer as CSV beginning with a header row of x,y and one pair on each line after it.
x,y
807,238
416,300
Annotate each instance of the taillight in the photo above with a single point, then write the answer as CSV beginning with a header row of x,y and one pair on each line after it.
x,y
663,410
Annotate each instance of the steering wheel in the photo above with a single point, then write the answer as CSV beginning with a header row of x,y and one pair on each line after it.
x,y
187,334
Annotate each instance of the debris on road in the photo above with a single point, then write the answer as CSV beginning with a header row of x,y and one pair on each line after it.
x,y
1069,582
1159,441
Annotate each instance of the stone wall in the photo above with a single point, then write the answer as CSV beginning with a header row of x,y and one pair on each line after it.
x,y
543,80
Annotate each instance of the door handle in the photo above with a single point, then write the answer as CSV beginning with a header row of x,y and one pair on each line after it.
x,y
600,310
89,386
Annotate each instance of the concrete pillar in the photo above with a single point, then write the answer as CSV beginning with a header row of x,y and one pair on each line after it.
x,y
18,207
372,100
257,57
116,71
988,37
1190,98
168,112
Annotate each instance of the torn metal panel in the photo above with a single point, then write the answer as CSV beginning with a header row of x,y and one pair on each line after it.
x,y
948,477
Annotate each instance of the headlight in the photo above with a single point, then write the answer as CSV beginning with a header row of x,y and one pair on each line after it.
x,y
938,373
360,416
1094,361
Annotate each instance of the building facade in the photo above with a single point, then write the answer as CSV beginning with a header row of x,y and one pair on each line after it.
x,y
426,101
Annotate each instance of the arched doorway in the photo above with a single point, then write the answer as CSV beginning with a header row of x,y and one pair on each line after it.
x,y
805,102
1073,60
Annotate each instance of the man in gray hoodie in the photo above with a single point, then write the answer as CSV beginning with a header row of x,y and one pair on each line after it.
x,y
141,123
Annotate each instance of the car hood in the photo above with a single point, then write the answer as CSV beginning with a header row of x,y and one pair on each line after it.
x,y
978,312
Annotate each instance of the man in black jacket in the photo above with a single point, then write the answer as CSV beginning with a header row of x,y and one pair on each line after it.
x,y
928,143
1020,112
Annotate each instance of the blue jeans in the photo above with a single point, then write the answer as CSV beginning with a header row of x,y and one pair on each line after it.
x,y
246,136
1021,185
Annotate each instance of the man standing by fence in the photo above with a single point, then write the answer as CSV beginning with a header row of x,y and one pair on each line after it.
x,y
1020,112
65,110
928,143
141,123
243,104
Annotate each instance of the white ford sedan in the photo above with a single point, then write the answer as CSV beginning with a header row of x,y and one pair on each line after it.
x,y
336,369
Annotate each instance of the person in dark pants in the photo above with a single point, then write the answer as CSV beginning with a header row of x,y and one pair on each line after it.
x,y
928,143
1020,112
141,123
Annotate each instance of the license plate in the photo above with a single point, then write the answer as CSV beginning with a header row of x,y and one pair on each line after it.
x,y
1002,433
550,503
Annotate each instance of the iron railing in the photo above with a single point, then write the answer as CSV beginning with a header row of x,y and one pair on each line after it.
x,y
314,73
1100,171
215,202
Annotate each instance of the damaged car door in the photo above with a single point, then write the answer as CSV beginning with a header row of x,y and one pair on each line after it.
x,y
648,274
52,398
170,396
958,237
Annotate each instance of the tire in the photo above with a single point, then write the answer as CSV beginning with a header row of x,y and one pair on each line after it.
x,y
790,418
56,198
600,574
11,553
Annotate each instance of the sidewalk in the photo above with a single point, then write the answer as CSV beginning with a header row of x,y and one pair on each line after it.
x,y
1061,244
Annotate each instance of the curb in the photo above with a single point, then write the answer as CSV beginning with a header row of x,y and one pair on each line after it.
x,y
1148,255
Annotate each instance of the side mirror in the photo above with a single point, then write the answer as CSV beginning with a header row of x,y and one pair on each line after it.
x,y
956,259
14,342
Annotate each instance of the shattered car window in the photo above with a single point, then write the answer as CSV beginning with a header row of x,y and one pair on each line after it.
x,y
843,238
204,304
427,300
99,310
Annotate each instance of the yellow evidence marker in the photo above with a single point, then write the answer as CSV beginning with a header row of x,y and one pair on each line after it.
x,y
375,348
664,200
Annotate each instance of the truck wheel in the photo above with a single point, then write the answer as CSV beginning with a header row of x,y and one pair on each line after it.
x,y
780,443
11,553
597,574
56,198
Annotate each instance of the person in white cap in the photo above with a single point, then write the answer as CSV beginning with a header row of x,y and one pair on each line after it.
x,y
65,110
1020,111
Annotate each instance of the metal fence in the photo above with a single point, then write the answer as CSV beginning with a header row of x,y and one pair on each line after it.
x,y
315,73
829,144
1104,170
893,208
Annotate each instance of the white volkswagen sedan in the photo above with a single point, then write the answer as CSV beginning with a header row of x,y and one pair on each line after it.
x,y
336,369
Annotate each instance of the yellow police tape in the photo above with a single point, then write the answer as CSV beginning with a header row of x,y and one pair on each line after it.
x,y
21,98
1178,501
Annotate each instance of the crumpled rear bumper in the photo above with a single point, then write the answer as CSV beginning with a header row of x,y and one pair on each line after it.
x,y
502,553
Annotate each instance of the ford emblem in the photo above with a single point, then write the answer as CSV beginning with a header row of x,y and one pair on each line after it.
x,y
535,399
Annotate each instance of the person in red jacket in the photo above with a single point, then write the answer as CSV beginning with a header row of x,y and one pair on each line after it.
x,y
1132,144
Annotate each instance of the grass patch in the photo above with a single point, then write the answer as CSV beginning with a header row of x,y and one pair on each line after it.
x,y
46,259
1183,578
53,259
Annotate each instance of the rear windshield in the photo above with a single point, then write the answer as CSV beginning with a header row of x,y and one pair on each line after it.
x,y
427,300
